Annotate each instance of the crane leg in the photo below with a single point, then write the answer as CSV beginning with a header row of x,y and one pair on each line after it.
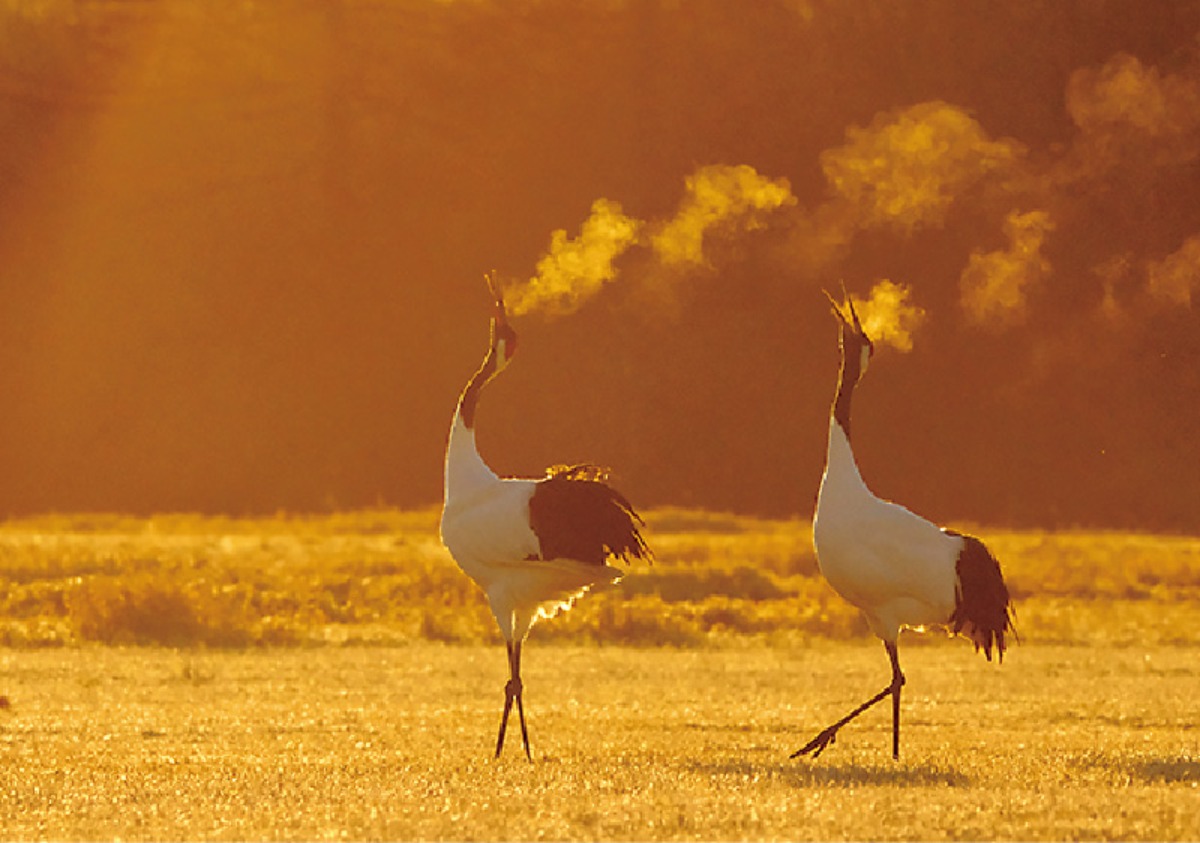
x,y
829,735
897,684
520,703
512,691
509,695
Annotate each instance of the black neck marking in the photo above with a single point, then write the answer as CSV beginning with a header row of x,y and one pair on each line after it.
x,y
470,395
848,375
500,350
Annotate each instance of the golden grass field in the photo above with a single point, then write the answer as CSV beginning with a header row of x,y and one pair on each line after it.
x,y
336,677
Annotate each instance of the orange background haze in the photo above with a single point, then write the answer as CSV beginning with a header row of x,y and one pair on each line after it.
x,y
242,250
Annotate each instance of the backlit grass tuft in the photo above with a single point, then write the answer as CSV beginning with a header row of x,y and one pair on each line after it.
x,y
382,576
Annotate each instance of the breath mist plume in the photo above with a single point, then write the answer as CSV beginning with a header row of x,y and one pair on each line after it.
x,y
995,284
1125,110
575,269
888,316
718,198
1176,277
908,168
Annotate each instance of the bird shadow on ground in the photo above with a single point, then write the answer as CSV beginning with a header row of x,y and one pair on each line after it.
x,y
801,773
1150,769
1166,769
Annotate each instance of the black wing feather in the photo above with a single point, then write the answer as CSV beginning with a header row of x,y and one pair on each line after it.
x,y
982,598
576,515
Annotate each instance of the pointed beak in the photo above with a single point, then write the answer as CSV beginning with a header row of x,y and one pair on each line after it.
x,y
837,308
850,307
501,316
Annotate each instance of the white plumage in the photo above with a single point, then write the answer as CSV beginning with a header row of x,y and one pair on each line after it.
x,y
533,545
486,528
886,560
899,569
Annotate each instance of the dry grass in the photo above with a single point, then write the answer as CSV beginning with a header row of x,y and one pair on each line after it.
x,y
383,577
629,743
261,724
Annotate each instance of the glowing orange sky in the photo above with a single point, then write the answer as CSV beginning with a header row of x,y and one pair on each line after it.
x,y
242,250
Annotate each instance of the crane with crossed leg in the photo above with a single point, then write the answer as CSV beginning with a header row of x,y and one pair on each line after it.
x,y
898,568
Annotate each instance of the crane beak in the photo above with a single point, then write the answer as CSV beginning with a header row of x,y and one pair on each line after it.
x,y
850,305
501,315
837,308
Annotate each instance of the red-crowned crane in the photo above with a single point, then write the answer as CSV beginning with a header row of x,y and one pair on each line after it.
x,y
532,545
898,568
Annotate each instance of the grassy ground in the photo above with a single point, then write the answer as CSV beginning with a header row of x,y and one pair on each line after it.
x,y
629,743
384,578
337,676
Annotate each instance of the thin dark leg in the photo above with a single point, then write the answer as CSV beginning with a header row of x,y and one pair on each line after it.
x,y
897,684
827,736
512,691
520,703
508,701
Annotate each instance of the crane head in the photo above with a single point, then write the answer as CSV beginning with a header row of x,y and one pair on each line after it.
x,y
853,337
504,338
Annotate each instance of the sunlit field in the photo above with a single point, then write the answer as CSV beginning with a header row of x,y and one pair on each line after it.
x,y
337,676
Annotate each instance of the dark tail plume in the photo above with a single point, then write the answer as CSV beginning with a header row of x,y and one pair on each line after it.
x,y
983,609
576,515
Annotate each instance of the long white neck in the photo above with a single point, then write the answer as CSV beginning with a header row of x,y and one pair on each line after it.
x,y
841,479
465,469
